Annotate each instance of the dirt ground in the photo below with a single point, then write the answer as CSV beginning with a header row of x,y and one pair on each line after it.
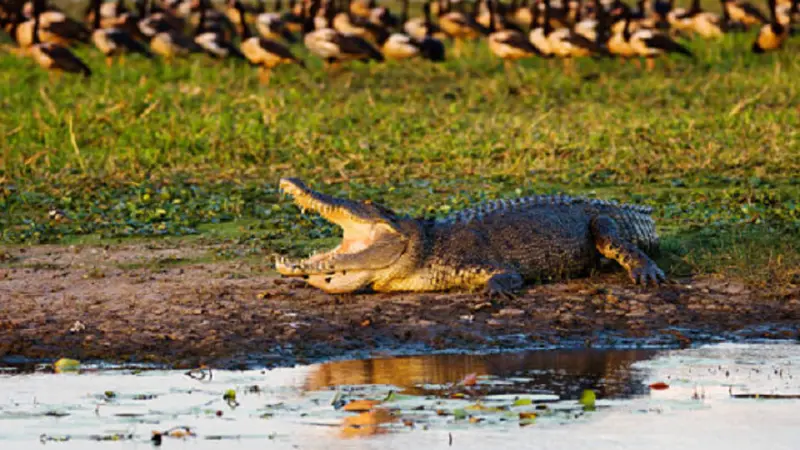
x,y
176,305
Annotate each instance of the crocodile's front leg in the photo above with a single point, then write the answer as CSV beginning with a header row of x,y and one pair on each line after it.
x,y
609,243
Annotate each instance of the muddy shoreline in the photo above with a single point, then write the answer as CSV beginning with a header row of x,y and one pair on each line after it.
x,y
173,305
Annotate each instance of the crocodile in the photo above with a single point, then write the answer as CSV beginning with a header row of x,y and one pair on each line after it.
x,y
495,247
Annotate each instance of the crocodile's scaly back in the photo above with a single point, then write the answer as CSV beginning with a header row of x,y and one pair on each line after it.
x,y
635,221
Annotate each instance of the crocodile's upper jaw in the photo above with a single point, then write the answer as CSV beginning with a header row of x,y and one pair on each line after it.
x,y
371,241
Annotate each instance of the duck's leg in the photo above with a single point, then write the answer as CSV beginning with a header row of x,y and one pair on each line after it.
x,y
264,75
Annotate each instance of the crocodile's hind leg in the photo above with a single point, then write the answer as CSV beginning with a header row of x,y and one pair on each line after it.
x,y
503,284
609,243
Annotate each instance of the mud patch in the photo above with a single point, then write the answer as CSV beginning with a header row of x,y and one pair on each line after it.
x,y
163,304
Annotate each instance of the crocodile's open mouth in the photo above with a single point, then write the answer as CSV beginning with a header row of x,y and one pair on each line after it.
x,y
370,240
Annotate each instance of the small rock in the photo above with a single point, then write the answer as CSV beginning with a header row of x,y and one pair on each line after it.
x,y
77,327
637,312
510,312
481,306
566,318
734,288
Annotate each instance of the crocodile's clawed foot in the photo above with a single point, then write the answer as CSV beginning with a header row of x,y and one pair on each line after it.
x,y
498,293
503,286
648,274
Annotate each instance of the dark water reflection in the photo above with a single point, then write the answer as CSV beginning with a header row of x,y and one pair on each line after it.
x,y
562,372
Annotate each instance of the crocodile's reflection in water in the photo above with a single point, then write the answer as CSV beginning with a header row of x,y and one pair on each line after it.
x,y
565,373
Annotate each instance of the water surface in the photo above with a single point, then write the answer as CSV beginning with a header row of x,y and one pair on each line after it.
x,y
694,398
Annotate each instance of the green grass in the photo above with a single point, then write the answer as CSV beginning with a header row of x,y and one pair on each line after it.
x,y
196,148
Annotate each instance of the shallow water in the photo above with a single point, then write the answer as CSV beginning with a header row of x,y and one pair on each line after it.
x,y
502,400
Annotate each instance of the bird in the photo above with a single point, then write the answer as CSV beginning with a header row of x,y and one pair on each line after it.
x,y
709,25
165,39
333,46
538,35
54,27
110,13
293,19
113,41
264,53
405,46
568,44
507,44
417,27
236,12
399,46
680,19
744,13
153,20
53,56
459,26
519,14
360,8
772,35
383,16
347,23
619,42
650,44
697,21
270,25
587,27
214,43
431,48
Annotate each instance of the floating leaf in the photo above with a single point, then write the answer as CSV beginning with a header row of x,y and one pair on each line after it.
x,y
361,405
588,399
64,365
470,380
659,386
526,418
481,407
230,397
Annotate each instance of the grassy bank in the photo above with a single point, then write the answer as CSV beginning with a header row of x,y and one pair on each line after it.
x,y
195,148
